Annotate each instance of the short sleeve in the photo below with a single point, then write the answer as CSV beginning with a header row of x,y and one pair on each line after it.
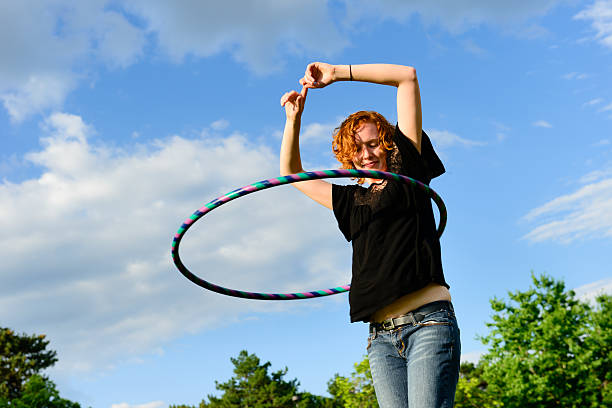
x,y
342,202
423,166
434,163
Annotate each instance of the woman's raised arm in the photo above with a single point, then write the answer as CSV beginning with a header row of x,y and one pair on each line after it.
x,y
404,78
290,160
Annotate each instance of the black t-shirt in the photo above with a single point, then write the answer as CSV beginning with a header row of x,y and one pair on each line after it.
x,y
392,228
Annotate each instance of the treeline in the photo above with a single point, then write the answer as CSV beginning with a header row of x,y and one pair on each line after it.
x,y
546,348
22,359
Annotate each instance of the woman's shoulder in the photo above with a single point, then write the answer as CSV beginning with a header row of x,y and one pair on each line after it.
x,y
425,164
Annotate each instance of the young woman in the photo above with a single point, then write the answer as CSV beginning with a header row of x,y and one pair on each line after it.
x,y
397,284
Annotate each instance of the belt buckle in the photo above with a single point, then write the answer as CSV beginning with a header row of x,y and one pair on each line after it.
x,y
388,324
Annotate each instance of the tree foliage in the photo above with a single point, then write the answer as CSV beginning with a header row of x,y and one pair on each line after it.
x,y
21,356
356,391
22,359
254,386
472,389
546,348
38,392
598,349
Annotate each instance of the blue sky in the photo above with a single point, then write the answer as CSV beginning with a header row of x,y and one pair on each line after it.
x,y
120,118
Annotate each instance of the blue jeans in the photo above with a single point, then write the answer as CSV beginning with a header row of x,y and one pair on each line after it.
x,y
417,365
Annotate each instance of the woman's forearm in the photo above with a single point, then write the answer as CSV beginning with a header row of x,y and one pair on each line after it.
x,y
290,159
385,74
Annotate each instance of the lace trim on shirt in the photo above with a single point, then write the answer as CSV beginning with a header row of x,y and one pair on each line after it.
x,y
371,195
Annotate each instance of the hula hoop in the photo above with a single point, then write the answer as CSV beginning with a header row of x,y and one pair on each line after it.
x,y
273,182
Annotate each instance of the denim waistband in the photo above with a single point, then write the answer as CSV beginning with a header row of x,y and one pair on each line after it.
x,y
413,317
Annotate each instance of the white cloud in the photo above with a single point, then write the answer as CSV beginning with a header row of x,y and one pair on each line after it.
x,y
38,92
154,404
602,142
41,43
597,174
600,15
585,213
542,123
501,131
444,139
473,48
606,108
593,102
86,245
472,357
49,47
575,75
589,292
220,124
318,132
253,32
456,16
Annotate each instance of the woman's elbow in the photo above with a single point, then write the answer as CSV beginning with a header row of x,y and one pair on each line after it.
x,y
410,74
285,170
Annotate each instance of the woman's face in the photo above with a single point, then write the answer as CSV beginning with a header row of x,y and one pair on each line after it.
x,y
370,155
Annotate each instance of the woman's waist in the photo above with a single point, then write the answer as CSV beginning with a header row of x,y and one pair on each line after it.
x,y
412,301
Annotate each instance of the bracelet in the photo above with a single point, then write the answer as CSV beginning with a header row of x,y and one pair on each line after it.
x,y
351,72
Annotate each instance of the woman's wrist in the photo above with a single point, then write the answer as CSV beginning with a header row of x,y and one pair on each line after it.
x,y
342,73
293,120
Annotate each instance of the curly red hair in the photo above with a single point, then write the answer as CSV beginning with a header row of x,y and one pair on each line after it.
x,y
343,143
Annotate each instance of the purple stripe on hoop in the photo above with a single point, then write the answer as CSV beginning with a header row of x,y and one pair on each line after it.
x,y
275,181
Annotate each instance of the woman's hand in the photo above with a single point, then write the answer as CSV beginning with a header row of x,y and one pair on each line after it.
x,y
294,103
318,75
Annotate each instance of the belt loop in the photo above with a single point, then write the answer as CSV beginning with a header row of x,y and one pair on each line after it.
x,y
413,321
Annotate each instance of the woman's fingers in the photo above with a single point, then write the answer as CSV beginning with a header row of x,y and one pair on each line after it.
x,y
311,71
317,75
287,97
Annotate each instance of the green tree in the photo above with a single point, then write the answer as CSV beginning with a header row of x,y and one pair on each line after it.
x,y
598,349
21,356
472,389
254,386
38,392
546,348
356,391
